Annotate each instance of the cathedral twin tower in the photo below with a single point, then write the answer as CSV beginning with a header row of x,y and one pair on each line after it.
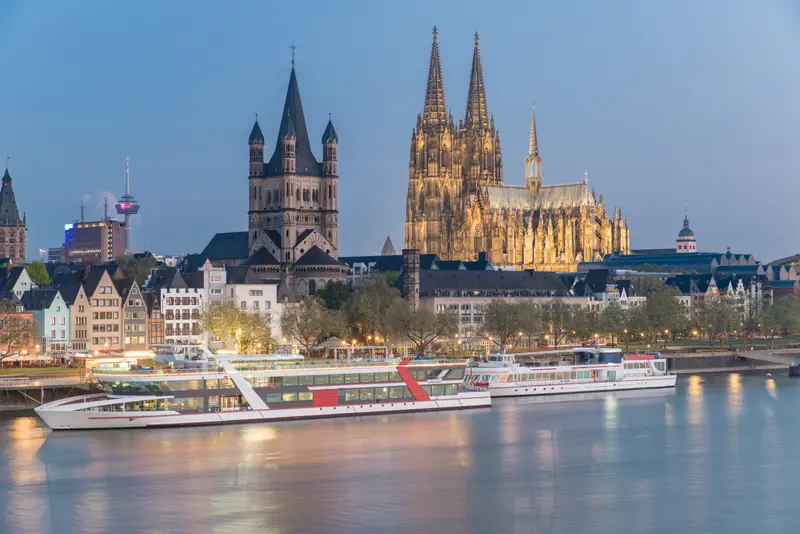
x,y
457,205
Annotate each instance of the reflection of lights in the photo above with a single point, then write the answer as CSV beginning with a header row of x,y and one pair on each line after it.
x,y
771,388
735,404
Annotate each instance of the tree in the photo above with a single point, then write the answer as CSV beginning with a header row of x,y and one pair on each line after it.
x,y
556,317
502,321
310,322
38,273
719,320
422,326
238,329
530,321
137,268
17,329
369,307
335,294
614,321
583,325
665,314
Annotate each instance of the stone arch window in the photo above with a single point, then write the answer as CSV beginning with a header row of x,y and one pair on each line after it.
x,y
259,192
329,235
302,251
421,199
297,194
269,196
288,191
330,192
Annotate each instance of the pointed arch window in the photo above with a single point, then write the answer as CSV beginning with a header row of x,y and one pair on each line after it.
x,y
297,194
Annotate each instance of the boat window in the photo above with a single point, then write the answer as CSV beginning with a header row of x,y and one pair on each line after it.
x,y
213,402
381,377
212,383
321,379
407,394
289,381
419,374
427,389
351,394
433,374
289,397
366,394
437,391
451,389
351,379
226,383
395,377
274,397
381,393
275,381
195,403
305,380
367,378
456,373
305,396
396,392
337,379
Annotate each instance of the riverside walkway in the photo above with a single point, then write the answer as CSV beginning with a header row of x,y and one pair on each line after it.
x,y
734,360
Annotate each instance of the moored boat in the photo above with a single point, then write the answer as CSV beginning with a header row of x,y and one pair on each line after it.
x,y
218,389
585,370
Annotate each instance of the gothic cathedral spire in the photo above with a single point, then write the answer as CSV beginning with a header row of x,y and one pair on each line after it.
x,y
435,112
533,162
477,115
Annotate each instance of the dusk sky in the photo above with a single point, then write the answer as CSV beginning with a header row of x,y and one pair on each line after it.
x,y
664,103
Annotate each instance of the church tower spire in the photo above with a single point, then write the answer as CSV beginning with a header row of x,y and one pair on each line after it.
x,y
435,112
533,161
477,115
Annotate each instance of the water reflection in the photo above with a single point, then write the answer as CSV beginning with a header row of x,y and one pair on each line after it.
x,y
688,460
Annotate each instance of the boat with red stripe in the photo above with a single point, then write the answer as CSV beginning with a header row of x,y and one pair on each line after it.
x,y
216,389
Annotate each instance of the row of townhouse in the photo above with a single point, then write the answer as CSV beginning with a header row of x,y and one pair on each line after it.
x,y
97,309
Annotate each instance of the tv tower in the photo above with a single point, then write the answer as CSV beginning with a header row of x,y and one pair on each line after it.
x,y
127,205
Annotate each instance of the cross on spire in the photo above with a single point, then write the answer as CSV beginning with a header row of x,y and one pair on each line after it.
x,y
293,47
586,177
7,158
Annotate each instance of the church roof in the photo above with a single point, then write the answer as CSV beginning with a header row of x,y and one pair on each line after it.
x,y
9,214
293,121
477,115
686,231
388,247
255,135
435,111
329,136
304,234
316,256
227,245
548,197
260,257
241,274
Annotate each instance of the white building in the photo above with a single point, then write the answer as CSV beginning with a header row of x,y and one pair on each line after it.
x,y
182,300
15,280
255,295
52,318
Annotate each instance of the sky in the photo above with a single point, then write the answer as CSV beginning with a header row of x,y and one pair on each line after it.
x,y
665,104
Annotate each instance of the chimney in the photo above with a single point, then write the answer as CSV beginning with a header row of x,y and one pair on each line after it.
x,y
411,275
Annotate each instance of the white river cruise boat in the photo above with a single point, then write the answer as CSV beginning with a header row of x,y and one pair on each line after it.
x,y
587,370
215,389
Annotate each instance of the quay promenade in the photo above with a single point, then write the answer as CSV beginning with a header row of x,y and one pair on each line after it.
x,y
734,361
21,392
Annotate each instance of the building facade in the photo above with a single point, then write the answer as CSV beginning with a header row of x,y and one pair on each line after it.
x,y
134,315
458,206
106,307
293,200
13,229
80,317
97,241
51,316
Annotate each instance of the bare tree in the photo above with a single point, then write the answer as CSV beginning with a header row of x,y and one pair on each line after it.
x,y
422,326
310,322
17,329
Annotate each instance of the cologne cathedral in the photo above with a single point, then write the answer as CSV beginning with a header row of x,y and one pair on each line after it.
x,y
458,206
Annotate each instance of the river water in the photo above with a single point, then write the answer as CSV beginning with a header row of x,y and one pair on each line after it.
x,y
719,453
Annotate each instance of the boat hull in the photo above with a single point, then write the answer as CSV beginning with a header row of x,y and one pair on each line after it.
x,y
60,419
514,390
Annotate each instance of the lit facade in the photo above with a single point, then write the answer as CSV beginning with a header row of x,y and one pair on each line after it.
x,y
97,241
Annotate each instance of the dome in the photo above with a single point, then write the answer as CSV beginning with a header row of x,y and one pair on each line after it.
x,y
686,232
